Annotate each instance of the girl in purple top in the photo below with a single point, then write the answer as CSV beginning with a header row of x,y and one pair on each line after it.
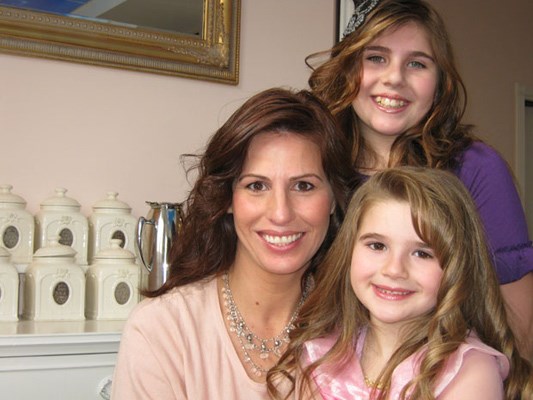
x,y
393,86
406,304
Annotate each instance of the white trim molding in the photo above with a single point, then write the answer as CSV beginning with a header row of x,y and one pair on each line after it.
x,y
522,93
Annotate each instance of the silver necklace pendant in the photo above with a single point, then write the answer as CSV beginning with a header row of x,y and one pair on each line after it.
x,y
248,340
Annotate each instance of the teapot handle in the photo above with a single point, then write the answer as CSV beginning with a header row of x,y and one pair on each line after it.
x,y
140,226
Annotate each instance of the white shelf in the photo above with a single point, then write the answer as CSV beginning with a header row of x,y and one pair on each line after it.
x,y
58,360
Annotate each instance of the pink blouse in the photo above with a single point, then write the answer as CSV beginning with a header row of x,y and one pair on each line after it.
x,y
348,383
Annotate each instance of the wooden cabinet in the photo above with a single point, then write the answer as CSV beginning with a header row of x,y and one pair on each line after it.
x,y
70,360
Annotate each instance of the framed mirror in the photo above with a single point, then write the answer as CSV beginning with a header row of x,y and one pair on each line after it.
x,y
196,39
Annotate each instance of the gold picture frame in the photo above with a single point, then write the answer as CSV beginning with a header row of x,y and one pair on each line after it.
x,y
213,56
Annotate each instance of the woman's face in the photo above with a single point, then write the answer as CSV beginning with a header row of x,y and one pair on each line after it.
x,y
399,80
281,204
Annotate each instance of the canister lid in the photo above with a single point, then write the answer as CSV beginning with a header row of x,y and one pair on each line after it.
x,y
111,202
54,249
60,199
7,197
115,252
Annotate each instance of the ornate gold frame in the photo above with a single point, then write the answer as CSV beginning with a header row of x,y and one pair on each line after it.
x,y
213,57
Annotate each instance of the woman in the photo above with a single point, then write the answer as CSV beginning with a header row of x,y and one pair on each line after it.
x,y
271,192
393,86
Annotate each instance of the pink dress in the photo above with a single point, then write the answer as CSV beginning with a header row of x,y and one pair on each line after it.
x,y
348,383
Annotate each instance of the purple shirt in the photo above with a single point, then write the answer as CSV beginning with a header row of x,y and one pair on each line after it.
x,y
489,180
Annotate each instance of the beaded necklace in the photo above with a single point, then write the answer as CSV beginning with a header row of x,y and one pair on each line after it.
x,y
248,340
372,383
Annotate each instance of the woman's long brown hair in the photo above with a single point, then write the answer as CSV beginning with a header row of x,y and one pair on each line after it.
x,y
206,243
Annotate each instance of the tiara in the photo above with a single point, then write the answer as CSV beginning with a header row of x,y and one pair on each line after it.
x,y
359,15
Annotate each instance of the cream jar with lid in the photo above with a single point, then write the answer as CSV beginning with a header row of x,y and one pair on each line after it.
x,y
111,219
54,286
112,283
9,288
17,226
60,216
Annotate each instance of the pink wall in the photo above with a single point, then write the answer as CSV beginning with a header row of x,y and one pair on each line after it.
x,y
493,42
94,129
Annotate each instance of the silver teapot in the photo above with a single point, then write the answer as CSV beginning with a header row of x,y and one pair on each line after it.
x,y
155,235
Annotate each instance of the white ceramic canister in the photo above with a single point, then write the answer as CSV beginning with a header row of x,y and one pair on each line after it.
x,y
112,287
17,226
54,286
60,216
111,219
9,288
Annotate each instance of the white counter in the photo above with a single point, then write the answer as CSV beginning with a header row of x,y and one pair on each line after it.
x,y
67,360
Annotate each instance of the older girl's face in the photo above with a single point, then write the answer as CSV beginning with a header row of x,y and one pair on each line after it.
x,y
398,84
281,204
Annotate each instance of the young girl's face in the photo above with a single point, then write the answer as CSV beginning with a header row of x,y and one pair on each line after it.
x,y
398,85
393,272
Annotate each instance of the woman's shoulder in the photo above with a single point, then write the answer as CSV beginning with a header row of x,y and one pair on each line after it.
x,y
185,298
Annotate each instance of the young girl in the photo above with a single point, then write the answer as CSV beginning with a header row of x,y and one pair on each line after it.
x,y
407,303
393,86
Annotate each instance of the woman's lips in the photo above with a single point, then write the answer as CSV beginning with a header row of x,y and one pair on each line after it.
x,y
281,240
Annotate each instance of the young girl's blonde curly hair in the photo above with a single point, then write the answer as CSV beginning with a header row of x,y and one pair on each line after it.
x,y
469,300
